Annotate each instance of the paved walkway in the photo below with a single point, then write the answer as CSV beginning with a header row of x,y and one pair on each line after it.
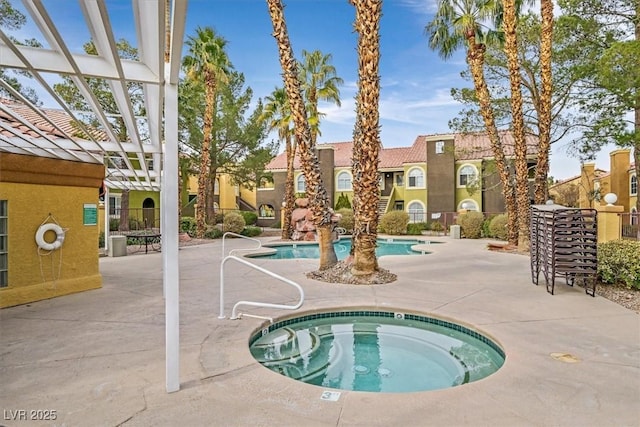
x,y
97,358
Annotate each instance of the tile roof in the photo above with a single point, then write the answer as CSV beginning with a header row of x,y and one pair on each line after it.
x,y
62,120
468,147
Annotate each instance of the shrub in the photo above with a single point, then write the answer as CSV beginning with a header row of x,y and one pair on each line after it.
x,y
498,227
250,218
416,228
188,225
394,222
343,202
486,226
346,221
436,226
218,217
213,232
471,224
101,240
251,231
233,222
619,262
114,224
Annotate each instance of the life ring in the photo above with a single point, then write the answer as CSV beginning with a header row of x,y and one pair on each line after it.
x,y
43,244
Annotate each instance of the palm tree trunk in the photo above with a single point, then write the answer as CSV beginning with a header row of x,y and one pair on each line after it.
x,y
205,161
475,58
289,190
366,138
520,149
317,194
544,111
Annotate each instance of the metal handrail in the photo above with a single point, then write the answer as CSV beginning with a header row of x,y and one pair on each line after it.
x,y
241,249
254,303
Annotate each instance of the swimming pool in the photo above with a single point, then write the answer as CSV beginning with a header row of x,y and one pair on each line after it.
x,y
376,351
343,247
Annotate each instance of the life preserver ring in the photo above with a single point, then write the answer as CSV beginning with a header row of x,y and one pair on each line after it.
x,y
43,244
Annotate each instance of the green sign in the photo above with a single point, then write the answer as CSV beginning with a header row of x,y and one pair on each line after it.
x,y
90,214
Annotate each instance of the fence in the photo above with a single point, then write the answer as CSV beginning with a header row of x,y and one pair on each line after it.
x,y
630,226
139,219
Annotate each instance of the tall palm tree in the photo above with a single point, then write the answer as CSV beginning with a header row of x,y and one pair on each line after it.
x,y
208,63
510,26
457,24
544,113
320,82
318,198
366,137
277,114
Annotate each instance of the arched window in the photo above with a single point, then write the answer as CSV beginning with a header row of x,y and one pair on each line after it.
x,y
468,204
415,209
634,185
344,181
301,185
266,211
416,178
467,175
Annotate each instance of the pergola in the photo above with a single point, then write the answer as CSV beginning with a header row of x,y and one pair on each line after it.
x,y
148,160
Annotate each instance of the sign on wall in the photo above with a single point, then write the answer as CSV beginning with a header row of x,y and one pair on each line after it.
x,y
90,214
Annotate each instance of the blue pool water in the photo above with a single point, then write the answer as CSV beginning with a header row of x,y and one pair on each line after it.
x,y
376,351
342,248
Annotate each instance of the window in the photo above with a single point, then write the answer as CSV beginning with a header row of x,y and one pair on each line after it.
x,y
381,182
416,178
416,211
634,185
469,205
467,175
216,187
344,181
439,147
4,244
266,211
399,179
634,216
115,201
399,205
301,185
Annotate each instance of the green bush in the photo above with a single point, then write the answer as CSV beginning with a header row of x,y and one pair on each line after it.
x,y
436,226
250,218
188,225
218,217
343,202
471,224
486,224
346,221
498,227
114,224
251,231
233,222
619,262
101,240
394,222
416,228
213,232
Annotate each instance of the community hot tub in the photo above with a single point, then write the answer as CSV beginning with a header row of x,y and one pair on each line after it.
x,y
376,351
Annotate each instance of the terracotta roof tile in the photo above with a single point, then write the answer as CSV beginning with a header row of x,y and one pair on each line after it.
x,y
468,147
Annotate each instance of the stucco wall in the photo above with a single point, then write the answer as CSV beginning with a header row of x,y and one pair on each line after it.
x,y
35,275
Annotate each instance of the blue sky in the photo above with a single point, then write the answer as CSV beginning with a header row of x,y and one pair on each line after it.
x,y
415,82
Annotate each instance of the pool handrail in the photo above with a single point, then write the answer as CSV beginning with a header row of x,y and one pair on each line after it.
x,y
255,303
240,249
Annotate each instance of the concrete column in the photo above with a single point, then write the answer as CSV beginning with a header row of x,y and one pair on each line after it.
x,y
609,222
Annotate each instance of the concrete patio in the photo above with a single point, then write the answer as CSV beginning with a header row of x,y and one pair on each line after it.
x,y
98,359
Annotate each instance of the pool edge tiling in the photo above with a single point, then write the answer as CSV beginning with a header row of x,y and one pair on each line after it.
x,y
410,324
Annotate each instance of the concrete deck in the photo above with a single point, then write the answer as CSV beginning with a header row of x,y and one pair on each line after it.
x,y
97,358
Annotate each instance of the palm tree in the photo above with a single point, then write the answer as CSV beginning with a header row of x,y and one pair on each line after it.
x,y
366,138
509,26
544,113
458,23
318,198
277,113
319,82
208,63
